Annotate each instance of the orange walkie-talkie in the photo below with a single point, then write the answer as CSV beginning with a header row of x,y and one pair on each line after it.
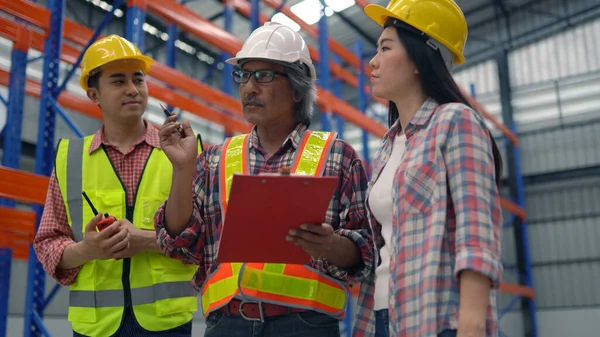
x,y
106,221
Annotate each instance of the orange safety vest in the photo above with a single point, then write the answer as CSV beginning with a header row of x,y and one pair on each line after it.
x,y
298,286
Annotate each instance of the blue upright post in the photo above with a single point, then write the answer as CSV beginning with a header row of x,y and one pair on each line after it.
x,y
228,68
324,64
171,58
12,152
362,103
278,9
5,265
134,23
337,90
16,97
522,228
44,156
107,17
254,14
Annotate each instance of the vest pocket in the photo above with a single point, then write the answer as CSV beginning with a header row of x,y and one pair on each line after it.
x,y
108,201
149,207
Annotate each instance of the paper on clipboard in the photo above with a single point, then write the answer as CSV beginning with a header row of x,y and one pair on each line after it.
x,y
261,211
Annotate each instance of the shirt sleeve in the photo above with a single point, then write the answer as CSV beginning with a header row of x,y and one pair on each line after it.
x,y
188,246
471,178
350,217
53,235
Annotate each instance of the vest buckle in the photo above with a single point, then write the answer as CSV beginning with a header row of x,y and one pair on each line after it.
x,y
261,312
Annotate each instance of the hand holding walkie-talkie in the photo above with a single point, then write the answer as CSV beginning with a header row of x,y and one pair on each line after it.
x,y
107,219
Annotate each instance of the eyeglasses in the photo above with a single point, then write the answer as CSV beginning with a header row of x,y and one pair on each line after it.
x,y
261,76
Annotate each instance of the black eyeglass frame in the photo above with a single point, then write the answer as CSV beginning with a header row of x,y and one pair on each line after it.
x,y
238,73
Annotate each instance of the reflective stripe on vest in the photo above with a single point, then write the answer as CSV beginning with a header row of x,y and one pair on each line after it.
x,y
292,285
234,160
139,296
75,209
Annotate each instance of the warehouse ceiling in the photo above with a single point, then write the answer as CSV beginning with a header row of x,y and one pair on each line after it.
x,y
493,24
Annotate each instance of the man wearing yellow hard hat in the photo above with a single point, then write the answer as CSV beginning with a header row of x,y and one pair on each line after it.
x,y
434,187
120,282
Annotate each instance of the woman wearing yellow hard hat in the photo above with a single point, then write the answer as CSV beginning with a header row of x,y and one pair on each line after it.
x,y
434,189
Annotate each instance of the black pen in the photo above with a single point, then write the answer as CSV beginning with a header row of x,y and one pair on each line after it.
x,y
169,114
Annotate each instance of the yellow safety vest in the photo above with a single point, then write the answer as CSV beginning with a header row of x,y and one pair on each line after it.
x,y
159,288
292,285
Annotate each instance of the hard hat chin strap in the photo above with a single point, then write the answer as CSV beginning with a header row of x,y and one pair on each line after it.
x,y
444,51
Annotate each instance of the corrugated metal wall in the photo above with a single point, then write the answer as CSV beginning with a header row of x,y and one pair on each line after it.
x,y
564,227
552,80
556,102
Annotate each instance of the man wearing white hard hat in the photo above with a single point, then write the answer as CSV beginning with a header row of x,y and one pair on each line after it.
x,y
276,80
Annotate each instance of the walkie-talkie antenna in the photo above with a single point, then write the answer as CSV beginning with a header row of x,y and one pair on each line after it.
x,y
90,203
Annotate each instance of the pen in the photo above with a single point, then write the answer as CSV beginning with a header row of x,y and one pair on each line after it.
x,y
169,114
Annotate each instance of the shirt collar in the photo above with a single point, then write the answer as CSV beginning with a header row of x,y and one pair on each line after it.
x,y
150,137
420,118
294,138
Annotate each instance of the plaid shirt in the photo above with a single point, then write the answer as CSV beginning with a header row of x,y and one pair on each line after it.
x,y
447,218
346,213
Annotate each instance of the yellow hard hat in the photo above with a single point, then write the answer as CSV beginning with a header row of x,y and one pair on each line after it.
x,y
109,49
441,20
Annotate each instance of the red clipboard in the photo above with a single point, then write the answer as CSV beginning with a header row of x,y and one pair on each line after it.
x,y
261,211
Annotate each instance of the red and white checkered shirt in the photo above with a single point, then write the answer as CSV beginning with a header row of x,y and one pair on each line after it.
x,y
446,218
54,233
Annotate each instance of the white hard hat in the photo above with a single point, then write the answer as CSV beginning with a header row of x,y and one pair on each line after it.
x,y
274,41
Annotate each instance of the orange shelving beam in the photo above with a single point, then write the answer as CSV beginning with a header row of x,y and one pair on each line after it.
x,y
202,28
361,3
79,34
17,228
23,186
517,289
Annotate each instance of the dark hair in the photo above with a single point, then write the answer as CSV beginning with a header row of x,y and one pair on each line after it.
x,y
436,80
94,81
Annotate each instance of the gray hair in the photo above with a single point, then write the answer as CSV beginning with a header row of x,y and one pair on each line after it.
x,y
304,87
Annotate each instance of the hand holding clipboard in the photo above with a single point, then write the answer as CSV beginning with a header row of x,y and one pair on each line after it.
x,y
261,211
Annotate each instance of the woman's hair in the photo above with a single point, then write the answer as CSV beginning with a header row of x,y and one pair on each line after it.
x,y
436,80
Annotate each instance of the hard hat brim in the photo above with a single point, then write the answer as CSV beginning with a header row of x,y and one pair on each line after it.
x,y
380,14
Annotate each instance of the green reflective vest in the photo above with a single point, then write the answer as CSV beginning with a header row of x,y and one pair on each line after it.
x,y
157,287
